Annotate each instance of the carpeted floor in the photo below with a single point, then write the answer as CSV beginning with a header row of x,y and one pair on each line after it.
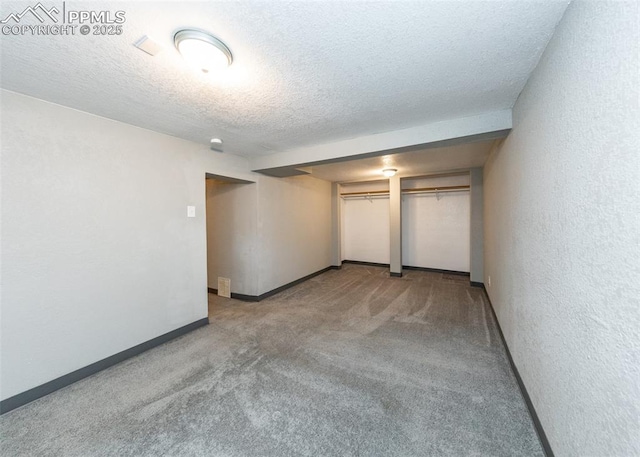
x,y
350,363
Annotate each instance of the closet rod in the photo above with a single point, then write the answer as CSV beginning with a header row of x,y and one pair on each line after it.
x,y
372,192
406,191
435,189
348,197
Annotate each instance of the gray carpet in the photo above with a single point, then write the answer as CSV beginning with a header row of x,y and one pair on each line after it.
x,y
350,363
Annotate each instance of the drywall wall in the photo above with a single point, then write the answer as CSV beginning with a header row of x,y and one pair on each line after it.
x,y
336,225
478,127
98,254
270,233
365,224
232,215
294,229
395,226
562,233
435,227
476,202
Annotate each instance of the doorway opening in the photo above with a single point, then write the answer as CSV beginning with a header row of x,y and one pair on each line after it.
x,y
230,225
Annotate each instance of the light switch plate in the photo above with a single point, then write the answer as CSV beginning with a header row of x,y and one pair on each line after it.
x,y
191,211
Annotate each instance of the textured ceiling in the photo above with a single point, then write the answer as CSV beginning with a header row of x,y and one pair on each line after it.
x,y
415,163
304,73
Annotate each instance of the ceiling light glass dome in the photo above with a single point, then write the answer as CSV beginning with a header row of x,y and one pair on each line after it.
x,y
202,51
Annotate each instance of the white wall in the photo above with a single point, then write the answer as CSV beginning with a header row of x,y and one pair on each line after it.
x,y
268,234
395,226
562,233
476,199
97,252
365,224
232,224
436,227
336,225
294,229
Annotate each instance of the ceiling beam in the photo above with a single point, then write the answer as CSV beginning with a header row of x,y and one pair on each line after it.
x,y
485,126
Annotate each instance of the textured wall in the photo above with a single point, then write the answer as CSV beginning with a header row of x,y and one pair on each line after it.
x,y
97,252
232,218
562,233
294,229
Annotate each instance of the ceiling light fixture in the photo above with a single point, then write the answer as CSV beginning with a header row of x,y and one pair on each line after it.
x,y
202,50
389,172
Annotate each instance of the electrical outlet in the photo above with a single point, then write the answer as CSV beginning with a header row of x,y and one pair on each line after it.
x,y
191,211
489,280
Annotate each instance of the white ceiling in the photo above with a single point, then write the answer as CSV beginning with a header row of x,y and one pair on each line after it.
x,y
415,163
304,73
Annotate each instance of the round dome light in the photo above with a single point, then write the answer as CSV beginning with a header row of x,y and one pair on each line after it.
x,y
202,51
389,172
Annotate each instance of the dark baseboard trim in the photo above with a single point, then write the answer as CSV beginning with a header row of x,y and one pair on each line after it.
x,y
30,395
367,264
256,298
336,267
544,442
407,267
437,270
241,297
293,283
476,284
395,275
